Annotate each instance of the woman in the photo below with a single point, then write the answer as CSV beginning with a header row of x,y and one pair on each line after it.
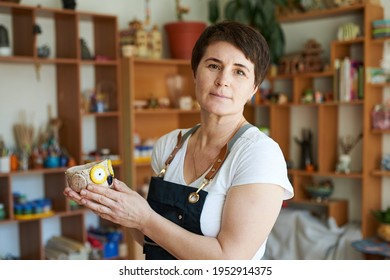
x,y
221,184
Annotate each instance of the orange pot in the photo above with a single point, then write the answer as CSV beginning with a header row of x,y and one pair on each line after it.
x,y
384,232
182,36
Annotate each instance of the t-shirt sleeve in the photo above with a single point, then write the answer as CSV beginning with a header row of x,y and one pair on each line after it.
x,y
263,162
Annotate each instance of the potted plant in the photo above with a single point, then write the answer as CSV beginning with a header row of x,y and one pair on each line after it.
x,y
383,218
259,14
182,34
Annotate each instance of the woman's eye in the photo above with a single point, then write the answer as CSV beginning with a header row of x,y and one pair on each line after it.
x,y
214,67
241,73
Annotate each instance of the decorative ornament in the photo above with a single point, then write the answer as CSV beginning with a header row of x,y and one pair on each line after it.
x,y
101,173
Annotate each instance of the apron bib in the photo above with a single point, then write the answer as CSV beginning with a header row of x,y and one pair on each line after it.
x,y
178,203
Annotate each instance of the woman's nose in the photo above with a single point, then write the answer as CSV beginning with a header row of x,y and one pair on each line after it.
x,y
222,79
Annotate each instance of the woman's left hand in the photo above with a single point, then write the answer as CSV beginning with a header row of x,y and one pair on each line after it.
x,y
118,204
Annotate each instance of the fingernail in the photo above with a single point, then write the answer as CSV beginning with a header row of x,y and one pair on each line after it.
x,y
83,192
89,187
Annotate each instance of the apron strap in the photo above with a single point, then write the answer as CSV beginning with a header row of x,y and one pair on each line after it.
x,y
220,158
180,141
225,151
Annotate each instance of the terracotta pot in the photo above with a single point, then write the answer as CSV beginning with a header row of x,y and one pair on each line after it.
x,y
384,232
182,36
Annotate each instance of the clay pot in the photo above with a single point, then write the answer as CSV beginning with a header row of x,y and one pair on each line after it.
x,y
384,232
182,36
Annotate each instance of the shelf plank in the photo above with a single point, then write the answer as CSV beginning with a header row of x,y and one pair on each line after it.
x,y
381,173
380,131
352,175
35,171
379,85
326,13
164,111
302,75
102,114
163,61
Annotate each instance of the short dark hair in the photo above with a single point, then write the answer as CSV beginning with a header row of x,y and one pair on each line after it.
x,y
247,39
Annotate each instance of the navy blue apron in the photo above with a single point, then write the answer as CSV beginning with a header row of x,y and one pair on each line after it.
x,y
178,203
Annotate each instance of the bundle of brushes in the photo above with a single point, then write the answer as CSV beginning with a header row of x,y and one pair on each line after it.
x,y
24,134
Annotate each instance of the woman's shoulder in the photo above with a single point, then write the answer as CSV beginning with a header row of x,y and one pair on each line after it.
x,y
255,143
254,137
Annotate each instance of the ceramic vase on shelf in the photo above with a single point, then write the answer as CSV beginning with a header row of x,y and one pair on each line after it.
x,y
344,163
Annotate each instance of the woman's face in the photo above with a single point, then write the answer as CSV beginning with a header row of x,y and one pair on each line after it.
x,y
224,80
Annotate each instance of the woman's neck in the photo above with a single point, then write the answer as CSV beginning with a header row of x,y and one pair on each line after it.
x,y
217,132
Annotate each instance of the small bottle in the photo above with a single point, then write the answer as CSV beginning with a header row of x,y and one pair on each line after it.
x,y
2,212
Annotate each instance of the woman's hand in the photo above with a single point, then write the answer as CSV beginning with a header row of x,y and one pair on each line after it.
x,y
118,204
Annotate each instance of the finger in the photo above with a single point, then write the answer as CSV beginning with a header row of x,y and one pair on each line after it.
x,y
120,186
97,207
71,194
105,216
99,195
107,192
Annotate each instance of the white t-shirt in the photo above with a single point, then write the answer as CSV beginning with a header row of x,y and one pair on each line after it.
x,y
254,158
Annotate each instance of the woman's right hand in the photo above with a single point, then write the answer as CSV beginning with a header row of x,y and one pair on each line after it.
x,y
119,204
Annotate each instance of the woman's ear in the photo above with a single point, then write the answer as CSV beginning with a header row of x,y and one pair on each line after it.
x,y
255,90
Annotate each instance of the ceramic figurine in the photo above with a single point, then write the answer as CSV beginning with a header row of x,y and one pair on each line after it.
x,y
306,150
5,49
43,51
85,52
69,4
101,173
155,43
141,40
346,145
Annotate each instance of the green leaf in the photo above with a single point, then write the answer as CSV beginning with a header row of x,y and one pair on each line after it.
x,y
267,10
277,43
213,11
239,10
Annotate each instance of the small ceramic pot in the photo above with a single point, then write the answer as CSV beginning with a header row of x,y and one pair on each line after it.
x,y
384,232
99,173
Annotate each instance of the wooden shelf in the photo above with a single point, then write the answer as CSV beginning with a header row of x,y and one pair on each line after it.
x,y
380,131
298,172
328,13
381,173
164,111
67,65
327,118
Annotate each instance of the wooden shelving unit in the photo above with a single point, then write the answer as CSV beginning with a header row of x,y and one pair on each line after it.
x,y
68,63
142,79
327,120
